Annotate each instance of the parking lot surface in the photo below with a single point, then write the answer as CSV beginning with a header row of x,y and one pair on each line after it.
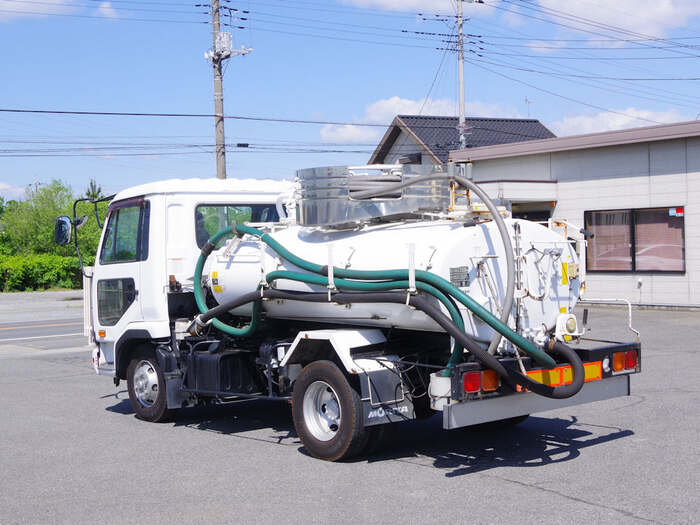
x,y
73,452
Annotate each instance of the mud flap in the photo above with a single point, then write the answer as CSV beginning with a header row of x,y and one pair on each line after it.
x,y
384,398
176,397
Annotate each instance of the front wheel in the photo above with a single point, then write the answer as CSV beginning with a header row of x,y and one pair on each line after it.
x,y
327,413
146,385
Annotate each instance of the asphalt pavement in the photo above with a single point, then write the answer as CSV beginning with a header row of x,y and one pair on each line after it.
x,y
71,450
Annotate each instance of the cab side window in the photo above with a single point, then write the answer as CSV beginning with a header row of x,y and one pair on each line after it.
x,y
126,234
210,218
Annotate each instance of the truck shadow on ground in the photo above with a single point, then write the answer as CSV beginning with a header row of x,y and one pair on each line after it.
x,y
536,442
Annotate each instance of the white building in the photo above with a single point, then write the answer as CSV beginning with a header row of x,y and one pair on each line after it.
x,y
637,190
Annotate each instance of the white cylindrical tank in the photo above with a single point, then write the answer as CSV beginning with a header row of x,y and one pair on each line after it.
x,y
471,257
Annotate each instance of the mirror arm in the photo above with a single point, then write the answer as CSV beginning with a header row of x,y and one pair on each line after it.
x,y
75,235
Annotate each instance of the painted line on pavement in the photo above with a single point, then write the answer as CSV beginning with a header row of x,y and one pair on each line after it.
x,y
39,337
20,327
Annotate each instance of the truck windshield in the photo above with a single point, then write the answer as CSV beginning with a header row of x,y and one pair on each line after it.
x,y
210,218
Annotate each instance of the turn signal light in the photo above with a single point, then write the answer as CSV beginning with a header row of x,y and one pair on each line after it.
x,y
618,361
624,360
490,380
472,382
101,333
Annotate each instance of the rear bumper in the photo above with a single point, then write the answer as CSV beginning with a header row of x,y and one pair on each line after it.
x,y
502,407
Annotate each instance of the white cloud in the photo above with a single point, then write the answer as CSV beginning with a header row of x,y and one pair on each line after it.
x,y
105,9
383,112
9,192
654,17
349,134
606,121
423,6
10,9
545,47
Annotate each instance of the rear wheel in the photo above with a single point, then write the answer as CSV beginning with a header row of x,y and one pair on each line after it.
x,y
327,413
146,384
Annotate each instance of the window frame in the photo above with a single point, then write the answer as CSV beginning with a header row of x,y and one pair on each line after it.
x,y
143,231
230,204
633,212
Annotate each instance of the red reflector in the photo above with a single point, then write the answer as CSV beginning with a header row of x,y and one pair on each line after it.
x,y
630,359
472,382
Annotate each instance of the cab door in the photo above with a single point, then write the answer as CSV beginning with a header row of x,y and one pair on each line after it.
x,y
118,272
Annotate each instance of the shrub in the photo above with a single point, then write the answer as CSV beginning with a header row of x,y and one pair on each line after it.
x,y
39,272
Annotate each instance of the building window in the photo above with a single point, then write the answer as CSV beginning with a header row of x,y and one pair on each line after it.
x,y
642,240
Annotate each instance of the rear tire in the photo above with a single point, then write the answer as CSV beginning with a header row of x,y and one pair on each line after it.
x,y
327,413
146,384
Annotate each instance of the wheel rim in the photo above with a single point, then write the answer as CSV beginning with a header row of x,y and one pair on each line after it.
x,y
146,385
322,412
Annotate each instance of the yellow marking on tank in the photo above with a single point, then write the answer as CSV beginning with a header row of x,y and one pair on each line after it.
x,y
218,288
564,273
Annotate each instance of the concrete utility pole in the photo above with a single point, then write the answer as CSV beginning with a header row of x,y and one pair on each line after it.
x,y
460,64
216,59
222,48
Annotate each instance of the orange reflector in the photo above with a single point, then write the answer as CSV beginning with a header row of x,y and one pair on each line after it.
x,y
564,375
618,361
594,371
490,381
547,377
101,333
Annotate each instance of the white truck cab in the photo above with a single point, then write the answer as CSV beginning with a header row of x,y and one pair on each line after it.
x,y
150,243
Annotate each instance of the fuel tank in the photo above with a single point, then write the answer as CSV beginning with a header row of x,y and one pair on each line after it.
x,y
470,256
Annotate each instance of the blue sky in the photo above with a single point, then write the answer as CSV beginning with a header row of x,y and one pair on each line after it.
x,y
353,61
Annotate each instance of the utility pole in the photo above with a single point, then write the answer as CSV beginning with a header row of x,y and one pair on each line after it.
x,y
460,64
222,49
216,59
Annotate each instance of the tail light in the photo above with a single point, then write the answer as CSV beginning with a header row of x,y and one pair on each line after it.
x,y
472,382
624,361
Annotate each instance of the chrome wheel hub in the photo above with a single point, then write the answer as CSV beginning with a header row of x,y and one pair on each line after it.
x,y
146,383
322,413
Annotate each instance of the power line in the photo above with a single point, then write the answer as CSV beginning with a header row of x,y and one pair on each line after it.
x,y
570,99
232,117
130,19
600,77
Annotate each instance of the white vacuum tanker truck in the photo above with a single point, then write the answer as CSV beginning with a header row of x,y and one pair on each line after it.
x,y
363,295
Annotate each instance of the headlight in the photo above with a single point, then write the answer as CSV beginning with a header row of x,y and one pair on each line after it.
x,y
571,325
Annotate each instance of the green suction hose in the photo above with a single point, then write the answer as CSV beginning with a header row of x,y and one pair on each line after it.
x,y
199,294
438,282
342,284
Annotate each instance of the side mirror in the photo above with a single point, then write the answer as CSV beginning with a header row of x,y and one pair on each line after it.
x,y
62,230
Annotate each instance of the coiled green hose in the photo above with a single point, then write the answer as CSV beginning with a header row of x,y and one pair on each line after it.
x,y
436,281
199,294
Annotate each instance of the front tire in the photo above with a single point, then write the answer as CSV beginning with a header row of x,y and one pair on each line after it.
x,y
146,384
327,413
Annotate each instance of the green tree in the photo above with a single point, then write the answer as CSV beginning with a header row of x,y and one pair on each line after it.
x,y
27,226
93,191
